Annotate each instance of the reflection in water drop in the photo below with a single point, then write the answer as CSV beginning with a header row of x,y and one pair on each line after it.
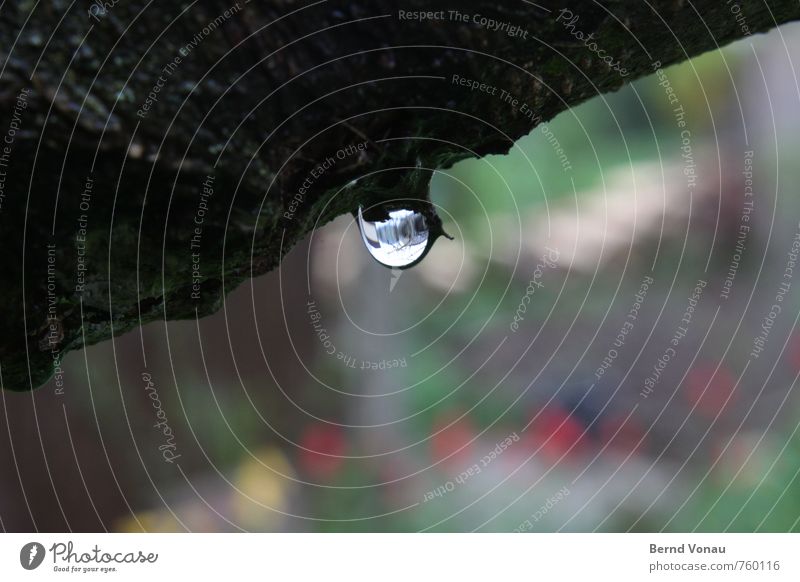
x,y
400,239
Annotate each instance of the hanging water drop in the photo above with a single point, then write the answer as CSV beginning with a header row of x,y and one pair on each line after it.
x,y
399,236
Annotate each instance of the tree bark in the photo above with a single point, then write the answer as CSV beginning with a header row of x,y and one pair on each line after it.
x,y
155,158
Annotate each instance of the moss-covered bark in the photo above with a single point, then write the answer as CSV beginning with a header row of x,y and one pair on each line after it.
x,y
157,155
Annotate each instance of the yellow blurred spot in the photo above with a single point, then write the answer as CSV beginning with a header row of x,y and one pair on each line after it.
x,y
149,521
263,484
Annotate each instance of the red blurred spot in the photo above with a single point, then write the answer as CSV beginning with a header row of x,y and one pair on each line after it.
x,y
707,389
619,435
453,441
556,432
322,447
793,352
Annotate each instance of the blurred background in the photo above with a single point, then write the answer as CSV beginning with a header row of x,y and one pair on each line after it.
x,y
597,349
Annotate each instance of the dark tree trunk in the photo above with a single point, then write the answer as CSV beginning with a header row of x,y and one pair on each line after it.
x,y
154,157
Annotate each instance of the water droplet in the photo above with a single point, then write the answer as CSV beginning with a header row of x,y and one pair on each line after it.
x,y
399,236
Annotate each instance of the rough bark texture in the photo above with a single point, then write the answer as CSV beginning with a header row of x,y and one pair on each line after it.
x,y
136,121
